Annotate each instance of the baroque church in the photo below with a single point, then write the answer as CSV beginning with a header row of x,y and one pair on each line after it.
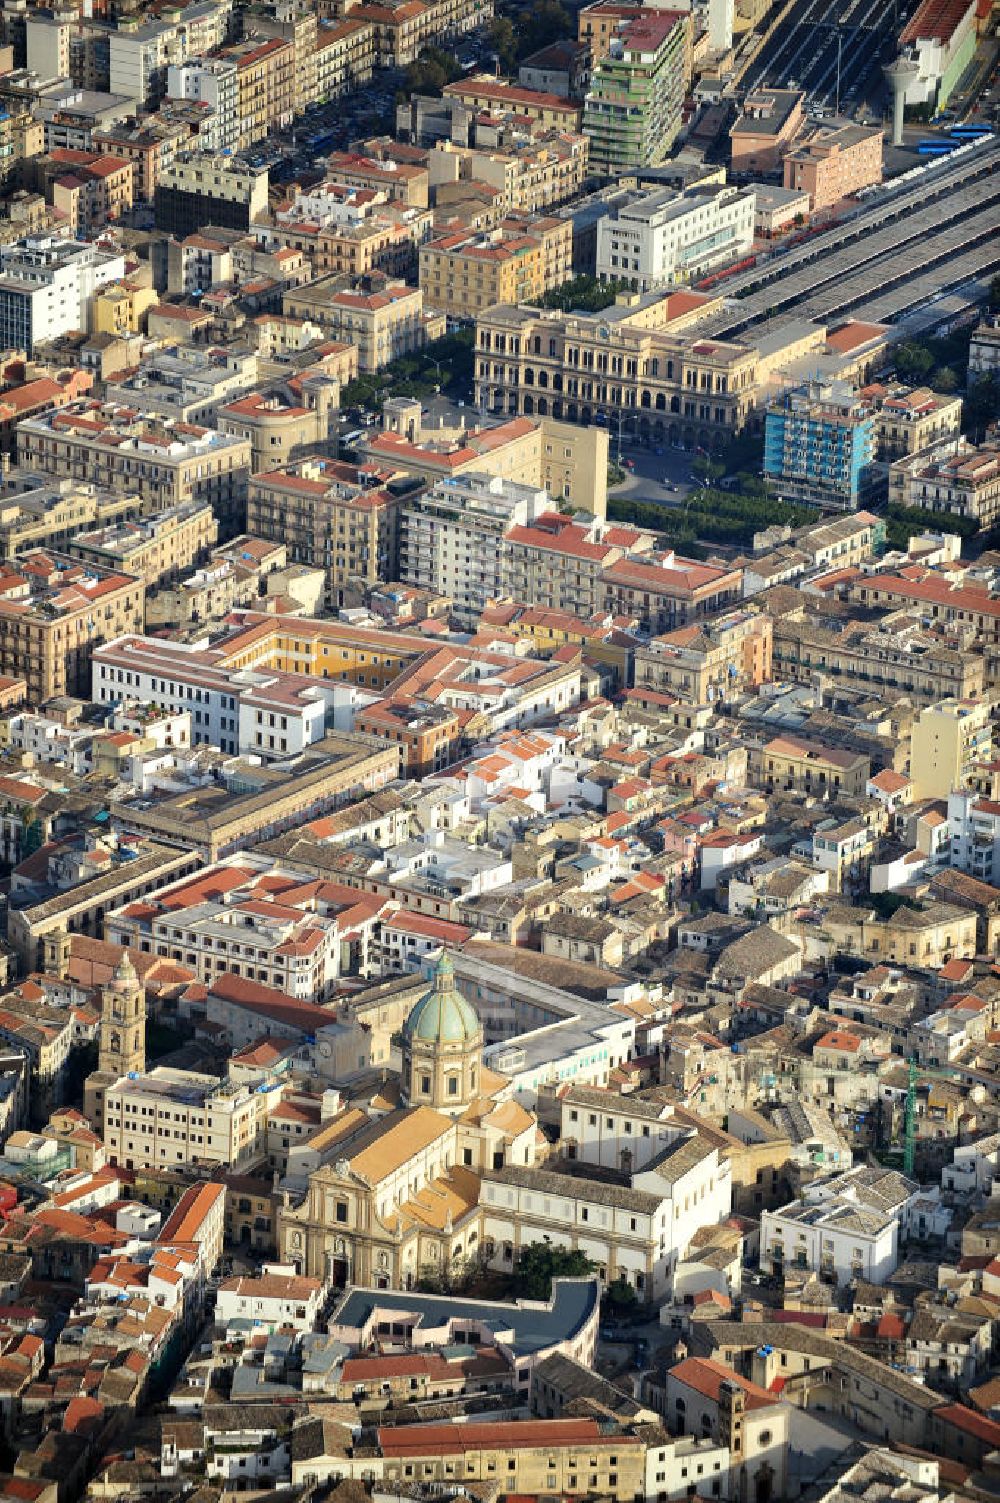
x,y
398,1195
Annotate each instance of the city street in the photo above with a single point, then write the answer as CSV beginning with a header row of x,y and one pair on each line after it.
x,y
663,478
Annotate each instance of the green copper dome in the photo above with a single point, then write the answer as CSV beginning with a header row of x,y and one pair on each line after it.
x,y
442,1016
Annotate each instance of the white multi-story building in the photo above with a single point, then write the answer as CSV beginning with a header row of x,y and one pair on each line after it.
x,y
451,538
837,1237
139,59
260,711
167,1117
241,916
212,81
46,288
636,1232
276,1297
974,825
663,237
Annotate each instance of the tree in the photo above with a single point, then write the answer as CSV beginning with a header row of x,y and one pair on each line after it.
x,y
707,469
542,1262
503,40
546,22
944,380
585,293
981,406
913,361
429,73
995,293
621,1296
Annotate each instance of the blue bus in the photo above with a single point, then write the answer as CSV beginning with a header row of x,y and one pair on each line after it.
x,y
935,148
969,132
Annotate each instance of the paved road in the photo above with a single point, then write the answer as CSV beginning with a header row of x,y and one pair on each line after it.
x,y
803,52
663,478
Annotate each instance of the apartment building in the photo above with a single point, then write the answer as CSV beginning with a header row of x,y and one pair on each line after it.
x,y
164,463
47,287
666,591
383,323
345,57
908,419
250,917
819,446
151,147
580,367
661,237
730,655
332,518
534,1457
838,1238
949,741
527,172
157,549
167,1117
280,424
350,231
955,478
213,82
481,92
93,191
520,260
406,183
984,351
791,762
632,112
265,86
569,462
49,514
54,612
452,538
831,164
894,657
200,188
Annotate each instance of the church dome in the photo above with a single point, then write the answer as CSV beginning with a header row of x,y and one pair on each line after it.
x,y
443,1016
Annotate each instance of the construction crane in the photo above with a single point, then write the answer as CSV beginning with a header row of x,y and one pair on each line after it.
x,y
913,1070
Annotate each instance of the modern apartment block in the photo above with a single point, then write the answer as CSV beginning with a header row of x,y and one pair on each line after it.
x,y
452,538
632,112
607,366
46,288
162,462
819,445
662,237
213,82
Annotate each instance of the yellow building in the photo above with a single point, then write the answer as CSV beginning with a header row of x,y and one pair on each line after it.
x,y
678,387
496,96
321,649
53,619
120,308
157,549
265,77
383,323
345,57
947,742
789,762
519,261
278,429
571,463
